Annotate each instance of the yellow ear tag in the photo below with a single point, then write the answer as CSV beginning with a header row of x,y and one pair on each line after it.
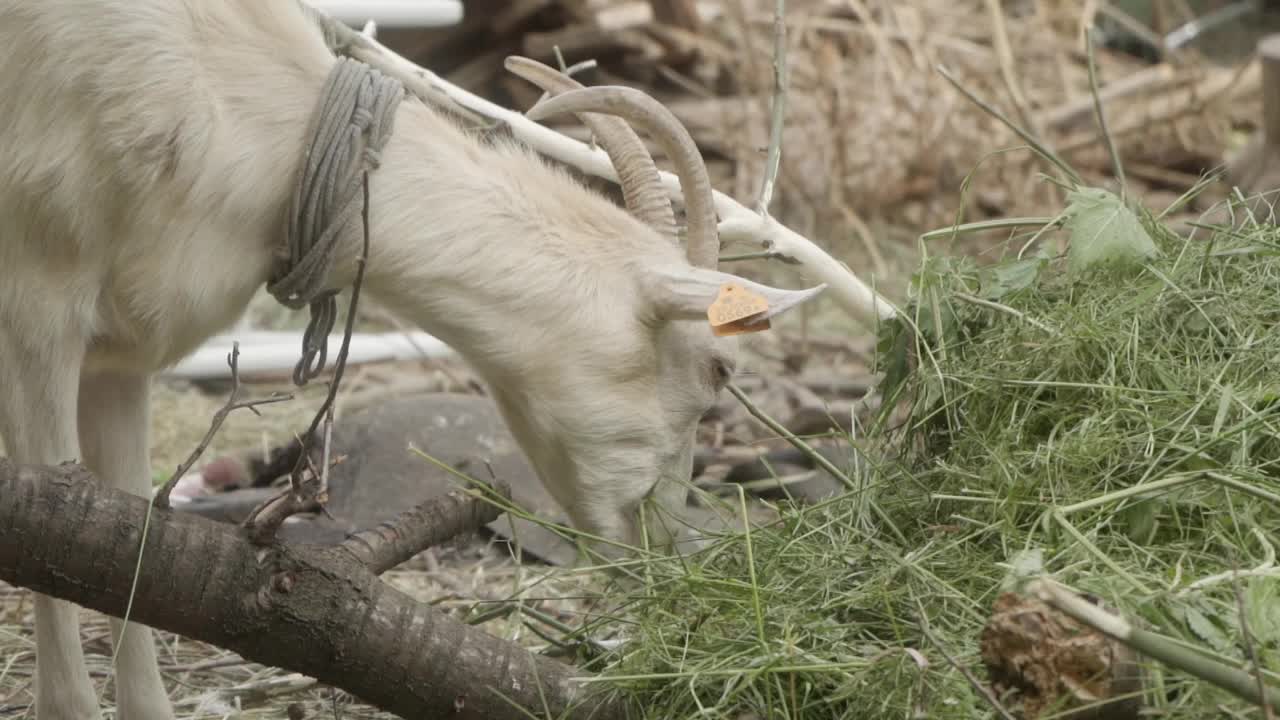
x,y
733,308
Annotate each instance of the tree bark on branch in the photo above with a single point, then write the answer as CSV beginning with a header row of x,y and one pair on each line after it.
x,y
316,610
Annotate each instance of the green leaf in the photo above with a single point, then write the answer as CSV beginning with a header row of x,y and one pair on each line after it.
x,y
1262,604
1205,629
893,351
1104,231
1001,280
1139,521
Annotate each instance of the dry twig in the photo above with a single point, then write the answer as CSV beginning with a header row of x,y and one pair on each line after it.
x,y
1005,53
1102,116
161,499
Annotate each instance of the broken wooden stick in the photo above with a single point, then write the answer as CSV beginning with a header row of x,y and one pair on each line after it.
x,y
233,403
427,525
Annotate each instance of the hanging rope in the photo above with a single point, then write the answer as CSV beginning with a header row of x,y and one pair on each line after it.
x,y
352,124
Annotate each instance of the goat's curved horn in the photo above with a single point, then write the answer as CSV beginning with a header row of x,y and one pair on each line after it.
x,y
641,186
648,114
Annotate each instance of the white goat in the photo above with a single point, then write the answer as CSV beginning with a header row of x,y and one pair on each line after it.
x,y
148,152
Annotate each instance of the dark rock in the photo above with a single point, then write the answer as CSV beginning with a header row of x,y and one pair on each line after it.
x,y
382,475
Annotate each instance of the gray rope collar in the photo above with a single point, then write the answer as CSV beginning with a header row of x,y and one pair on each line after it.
x,y
351,125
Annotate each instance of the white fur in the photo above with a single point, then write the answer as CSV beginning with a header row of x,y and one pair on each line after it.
x,y
148,152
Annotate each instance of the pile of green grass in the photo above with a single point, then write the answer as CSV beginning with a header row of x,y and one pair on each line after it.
x,y
1110,418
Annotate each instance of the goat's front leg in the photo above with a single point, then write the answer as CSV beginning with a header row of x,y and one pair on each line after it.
x,y
115,422
38,386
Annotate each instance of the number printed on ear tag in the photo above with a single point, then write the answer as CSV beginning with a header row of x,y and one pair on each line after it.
x,y
733,309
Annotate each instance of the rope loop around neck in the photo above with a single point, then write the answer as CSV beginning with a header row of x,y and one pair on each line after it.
x,y
352,122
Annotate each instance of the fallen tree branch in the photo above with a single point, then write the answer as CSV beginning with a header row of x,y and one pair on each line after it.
x,y
309,609
737,222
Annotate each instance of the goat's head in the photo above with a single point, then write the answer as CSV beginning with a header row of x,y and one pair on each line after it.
x,y
671,364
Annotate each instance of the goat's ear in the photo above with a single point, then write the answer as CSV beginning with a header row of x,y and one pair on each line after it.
x,y
686,293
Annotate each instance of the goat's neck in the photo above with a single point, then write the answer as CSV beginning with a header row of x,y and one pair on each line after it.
x,y
493,251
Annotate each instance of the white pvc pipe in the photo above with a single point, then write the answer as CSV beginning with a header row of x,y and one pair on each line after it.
x,y
393,13
278,352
